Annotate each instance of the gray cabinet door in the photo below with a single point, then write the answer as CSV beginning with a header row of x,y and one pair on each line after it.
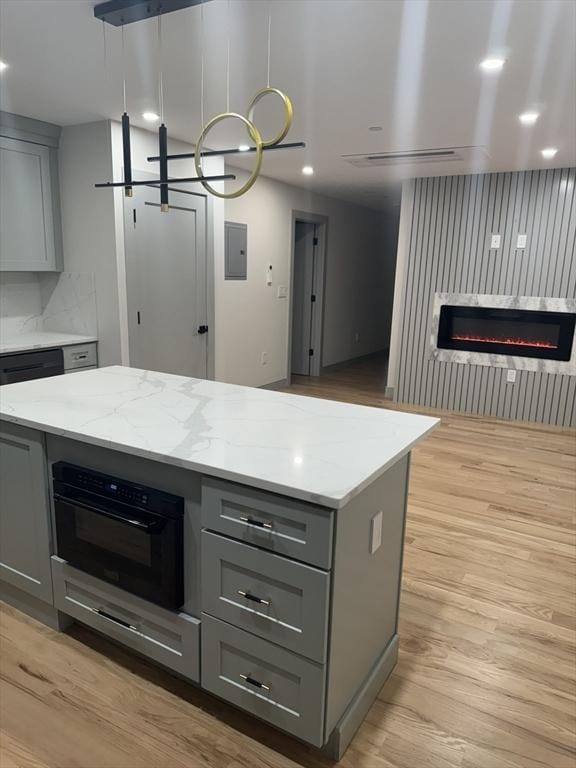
x,y
25,540
170,638
271,596
278,686
166,281
29,210
285,526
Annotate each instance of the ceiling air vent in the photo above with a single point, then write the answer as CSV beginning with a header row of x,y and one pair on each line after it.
x,y
415,156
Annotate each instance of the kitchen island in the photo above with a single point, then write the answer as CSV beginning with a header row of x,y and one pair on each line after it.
x,y
291,539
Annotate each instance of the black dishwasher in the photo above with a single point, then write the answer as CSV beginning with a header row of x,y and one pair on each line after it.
x,y
23,366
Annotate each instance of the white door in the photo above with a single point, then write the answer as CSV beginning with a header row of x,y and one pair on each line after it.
x,y
166,282
303,303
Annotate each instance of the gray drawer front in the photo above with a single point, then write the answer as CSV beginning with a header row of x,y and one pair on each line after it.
x,y
293,529
169,638
79,356
295,699
295,611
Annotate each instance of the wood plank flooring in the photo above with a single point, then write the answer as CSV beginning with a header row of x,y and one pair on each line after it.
x,y
487,669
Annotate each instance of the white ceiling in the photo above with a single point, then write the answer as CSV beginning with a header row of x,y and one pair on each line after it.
x,y
410,67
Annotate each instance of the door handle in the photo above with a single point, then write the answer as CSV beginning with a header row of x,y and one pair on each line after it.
x,y
202,329
254,682
257,523
253,598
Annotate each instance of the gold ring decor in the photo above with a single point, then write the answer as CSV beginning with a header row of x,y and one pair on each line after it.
x,y
254,135
288,110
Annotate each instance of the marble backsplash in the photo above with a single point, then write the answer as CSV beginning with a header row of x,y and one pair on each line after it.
x,y
64,302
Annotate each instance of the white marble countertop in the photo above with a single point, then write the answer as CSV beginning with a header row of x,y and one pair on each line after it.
x,y
25,342
320,451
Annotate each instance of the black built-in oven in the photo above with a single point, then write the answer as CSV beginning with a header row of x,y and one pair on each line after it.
x,y
121,532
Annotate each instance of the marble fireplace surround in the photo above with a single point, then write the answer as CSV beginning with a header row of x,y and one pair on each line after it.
x,y
500,361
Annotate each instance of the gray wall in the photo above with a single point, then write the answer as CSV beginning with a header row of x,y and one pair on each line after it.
x,y
448,222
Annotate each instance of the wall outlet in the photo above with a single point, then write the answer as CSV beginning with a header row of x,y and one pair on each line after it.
x,y
376,533
264,358
282,292
511,376
521,241
495,241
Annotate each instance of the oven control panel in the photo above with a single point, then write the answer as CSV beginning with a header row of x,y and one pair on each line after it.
x,y
120,490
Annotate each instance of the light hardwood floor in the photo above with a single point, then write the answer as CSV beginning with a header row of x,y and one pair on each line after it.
x,y
487,669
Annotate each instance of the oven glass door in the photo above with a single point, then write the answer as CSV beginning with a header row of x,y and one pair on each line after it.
x,y
126,546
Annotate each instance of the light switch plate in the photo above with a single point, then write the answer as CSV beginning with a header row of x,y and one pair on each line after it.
x,y
511,376
521,241
495,241
282,292
376,532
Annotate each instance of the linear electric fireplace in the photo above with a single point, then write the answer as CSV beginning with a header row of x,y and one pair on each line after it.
x,y
518,332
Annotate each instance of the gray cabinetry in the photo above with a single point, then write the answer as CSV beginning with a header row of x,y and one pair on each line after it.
x,y
280,600
25,541
285,526
172,639
80,356
30,228
267,681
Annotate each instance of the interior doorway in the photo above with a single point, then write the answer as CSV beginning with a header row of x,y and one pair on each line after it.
x,y
308,260
166,282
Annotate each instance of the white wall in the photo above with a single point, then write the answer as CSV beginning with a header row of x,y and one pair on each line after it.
x,y
361,254
88,225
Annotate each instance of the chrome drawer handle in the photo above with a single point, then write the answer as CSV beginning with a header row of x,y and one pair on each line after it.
x,y
257,523
254,682
113,619
254,599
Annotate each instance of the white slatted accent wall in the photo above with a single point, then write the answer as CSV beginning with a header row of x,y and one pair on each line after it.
x,y
451,219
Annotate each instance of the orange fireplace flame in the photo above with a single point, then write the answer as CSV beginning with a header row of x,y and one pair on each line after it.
x,y
510,342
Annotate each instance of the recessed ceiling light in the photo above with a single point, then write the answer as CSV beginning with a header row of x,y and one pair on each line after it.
x,y
549,153
375,128
150,117
308,170
3,66
243,148
528,118
493,64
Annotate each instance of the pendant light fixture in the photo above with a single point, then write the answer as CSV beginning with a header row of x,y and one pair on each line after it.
x,y
123,12
128,183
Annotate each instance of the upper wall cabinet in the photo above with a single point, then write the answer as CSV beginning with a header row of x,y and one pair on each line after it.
x,y
30,227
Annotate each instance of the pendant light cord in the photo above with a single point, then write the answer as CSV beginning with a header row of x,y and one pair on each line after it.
x,y
269,36
105,60
202,36
123,71
104,51
228,62
160,71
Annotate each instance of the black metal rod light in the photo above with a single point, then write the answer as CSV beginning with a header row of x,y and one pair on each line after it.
x,y
163,148
235,151
161,182
123,12
127,155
